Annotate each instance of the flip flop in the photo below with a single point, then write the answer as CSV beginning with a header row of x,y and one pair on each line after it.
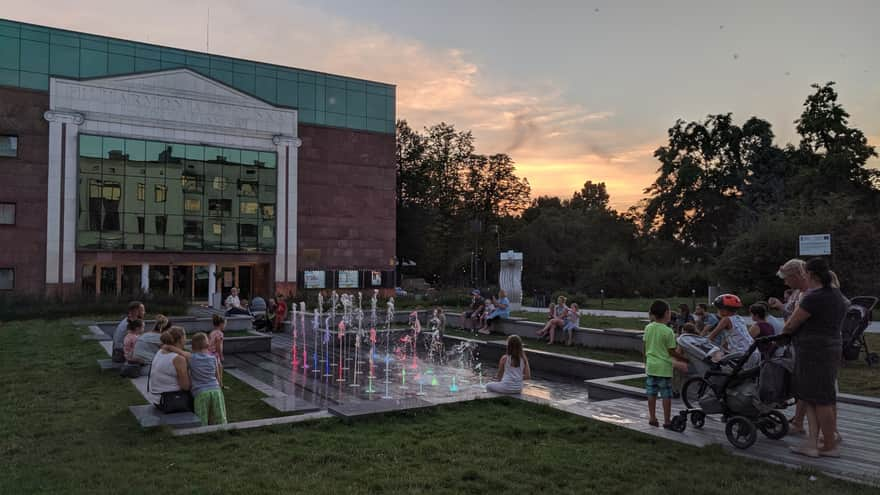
x,y
667,426
654,423
834,452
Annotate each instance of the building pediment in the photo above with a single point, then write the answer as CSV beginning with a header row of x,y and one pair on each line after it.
x,y
174,99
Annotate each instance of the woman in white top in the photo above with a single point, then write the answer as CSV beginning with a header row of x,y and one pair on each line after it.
x,y
513,368
169,371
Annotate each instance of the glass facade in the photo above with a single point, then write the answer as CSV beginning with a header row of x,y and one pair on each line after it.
x,y
29,54
148,195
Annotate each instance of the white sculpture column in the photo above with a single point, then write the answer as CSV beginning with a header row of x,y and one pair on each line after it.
x,y
212,284
286,204
145,277
510,278
61,197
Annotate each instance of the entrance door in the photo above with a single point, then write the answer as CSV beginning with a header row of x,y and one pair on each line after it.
x,y
108,286
182,280
245,281
200,283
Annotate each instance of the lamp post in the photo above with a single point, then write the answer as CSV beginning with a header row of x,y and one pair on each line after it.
x,y
693,299
602,293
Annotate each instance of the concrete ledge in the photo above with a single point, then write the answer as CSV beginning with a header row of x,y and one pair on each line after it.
x,y
254,342
149,417
256,423
192,324
607,388
860,400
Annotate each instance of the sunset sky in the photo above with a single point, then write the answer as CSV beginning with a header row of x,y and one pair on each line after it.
x,y
572,90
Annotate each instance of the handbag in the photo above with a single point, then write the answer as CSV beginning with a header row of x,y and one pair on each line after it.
x,y
172,402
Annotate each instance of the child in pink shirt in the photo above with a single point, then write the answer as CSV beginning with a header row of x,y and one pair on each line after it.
x,y
135,329
215,338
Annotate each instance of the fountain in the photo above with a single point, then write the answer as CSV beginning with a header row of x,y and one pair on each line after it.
x,y
389,318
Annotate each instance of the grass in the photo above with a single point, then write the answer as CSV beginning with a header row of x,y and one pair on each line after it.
x,y
633,382
64,428
590,321
856,377
611,355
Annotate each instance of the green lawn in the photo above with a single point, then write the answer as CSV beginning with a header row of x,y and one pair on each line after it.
x,y
856,377
590,321
65,428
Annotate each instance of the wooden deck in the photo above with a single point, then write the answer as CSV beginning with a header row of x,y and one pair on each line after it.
x,y
859,426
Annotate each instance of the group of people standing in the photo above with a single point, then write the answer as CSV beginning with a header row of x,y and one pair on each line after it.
x,y
813,311
178,380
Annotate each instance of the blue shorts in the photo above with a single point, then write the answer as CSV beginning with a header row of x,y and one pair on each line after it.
x,y
569,327
658,386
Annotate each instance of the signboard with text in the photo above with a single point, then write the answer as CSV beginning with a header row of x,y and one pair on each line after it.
x,y
314,279
348,279
814,245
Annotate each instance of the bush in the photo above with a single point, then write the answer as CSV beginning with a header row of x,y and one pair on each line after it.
x,y
24,307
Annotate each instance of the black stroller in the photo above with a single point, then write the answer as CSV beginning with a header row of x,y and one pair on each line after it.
x,y
852,330
728,389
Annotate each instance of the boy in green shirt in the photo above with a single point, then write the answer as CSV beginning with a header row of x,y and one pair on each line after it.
x,y
660,358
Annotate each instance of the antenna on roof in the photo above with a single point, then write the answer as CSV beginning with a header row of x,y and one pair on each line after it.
x,y
208,32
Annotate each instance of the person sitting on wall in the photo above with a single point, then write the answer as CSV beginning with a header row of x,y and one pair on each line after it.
x,y
136,311
475,312
149,343
502,310
233,304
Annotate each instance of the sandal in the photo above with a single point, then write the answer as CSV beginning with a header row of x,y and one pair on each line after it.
x,y
667,426
809,452
654,422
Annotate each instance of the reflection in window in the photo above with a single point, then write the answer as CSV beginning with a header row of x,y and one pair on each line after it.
x,y
115,174
248,189
7,278
268,212
220,207
104,199
192,205
9,146
248,208
7,213
161,224
191,183
219,183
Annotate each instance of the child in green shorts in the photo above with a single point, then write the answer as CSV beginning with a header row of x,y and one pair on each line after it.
x,y
207,382
661,356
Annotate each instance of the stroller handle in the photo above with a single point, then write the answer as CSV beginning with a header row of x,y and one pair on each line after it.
x,y
772,338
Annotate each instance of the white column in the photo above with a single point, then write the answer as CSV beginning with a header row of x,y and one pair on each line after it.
x,y
286,223
212,283
280,208
71,162
145,277
54,201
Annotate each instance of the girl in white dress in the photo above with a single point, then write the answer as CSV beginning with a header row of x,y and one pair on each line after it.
x,y
513,368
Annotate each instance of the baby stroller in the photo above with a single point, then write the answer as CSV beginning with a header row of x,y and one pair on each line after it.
x,y
852,330
728,385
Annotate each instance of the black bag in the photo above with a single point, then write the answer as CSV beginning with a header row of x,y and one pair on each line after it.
x,y
173,402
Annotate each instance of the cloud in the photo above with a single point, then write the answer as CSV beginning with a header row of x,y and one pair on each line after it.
x,y
557,143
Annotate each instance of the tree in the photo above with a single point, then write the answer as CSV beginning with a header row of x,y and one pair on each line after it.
x,y
591,197
831,156
695,199
492,189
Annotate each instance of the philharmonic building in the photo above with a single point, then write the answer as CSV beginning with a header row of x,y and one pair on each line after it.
x,y
130,168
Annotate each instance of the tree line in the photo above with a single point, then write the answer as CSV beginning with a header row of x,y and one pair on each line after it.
x,y
727,207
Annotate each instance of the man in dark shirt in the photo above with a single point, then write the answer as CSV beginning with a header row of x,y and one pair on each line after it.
x,y
471,318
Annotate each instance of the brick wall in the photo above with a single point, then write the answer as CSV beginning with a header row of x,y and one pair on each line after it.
x,y
23,181
346,203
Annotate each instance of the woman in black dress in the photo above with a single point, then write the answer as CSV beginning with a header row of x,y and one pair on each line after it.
x,y
815,326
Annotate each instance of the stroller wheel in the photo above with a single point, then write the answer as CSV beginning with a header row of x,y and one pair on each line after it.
x,y
872,359
741,432
698,419
693,390
774,425
679,423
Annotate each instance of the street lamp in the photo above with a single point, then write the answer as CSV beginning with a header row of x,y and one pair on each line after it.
x,y
602,292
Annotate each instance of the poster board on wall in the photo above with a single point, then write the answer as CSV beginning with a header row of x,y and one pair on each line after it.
x,y
348,279
315,279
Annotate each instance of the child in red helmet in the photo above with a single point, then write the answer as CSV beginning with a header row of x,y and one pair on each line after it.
x,y
738,338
